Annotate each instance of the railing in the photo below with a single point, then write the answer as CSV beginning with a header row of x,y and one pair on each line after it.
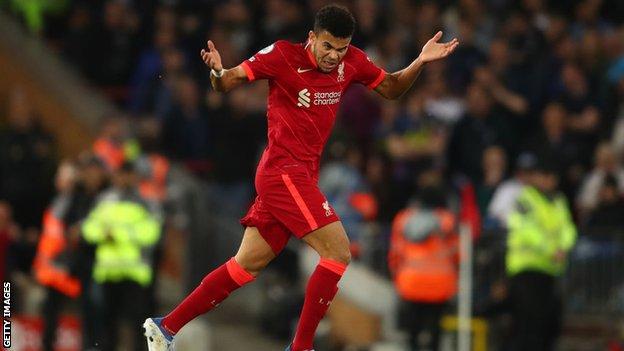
x,y
594,281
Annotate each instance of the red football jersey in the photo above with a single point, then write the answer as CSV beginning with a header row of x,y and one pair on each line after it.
x,y
303,101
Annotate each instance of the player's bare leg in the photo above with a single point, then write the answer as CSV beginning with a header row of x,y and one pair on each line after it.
x,y
253,255
332,244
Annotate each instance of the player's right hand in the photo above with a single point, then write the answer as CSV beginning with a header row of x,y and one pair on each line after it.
x,y
211,57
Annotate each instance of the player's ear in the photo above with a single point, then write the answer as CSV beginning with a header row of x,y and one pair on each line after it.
x,y
311,36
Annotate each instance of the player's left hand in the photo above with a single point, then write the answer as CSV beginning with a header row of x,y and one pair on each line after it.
x,y
434,51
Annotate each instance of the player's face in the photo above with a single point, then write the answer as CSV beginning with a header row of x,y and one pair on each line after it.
x,y
328,49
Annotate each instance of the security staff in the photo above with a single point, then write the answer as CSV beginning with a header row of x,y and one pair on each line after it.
x,y
541,234
423,263
125,229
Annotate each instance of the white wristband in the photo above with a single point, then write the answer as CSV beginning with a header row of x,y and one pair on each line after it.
x,y
217,74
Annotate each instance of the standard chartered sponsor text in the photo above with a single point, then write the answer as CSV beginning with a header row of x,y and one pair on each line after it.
x,y
326,98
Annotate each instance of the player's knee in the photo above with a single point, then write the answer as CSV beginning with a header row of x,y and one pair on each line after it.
x,y
254,265
342,255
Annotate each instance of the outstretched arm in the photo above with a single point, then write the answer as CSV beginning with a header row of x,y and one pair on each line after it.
x,y
222,80
396,84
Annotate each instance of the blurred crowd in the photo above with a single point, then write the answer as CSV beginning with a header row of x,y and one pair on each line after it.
x,y
537,77
533,82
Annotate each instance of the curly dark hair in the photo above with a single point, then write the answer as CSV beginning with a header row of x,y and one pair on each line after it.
x,y
335,19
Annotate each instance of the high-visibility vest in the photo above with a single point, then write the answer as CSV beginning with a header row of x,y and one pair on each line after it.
x,y
538,229
125,232
424,268
52,244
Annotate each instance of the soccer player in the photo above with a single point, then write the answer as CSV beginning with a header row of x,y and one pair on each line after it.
x,y
306,83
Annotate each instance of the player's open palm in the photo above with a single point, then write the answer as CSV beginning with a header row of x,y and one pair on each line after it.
x,y
434,51
211,57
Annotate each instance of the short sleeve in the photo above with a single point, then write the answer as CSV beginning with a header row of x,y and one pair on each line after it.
x,y
367,72
264,64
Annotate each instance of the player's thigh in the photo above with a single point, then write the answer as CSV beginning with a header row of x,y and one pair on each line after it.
x,y
330,241
296,202
254,252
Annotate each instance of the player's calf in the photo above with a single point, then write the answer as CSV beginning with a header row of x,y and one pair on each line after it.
x,y
214,288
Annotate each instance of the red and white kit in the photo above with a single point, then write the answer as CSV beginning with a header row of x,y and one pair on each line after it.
x,y
302,106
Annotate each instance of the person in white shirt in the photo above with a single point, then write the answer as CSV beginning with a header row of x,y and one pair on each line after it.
x,y
504,198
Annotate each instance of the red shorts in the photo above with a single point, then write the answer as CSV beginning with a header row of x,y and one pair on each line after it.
x,y
287,204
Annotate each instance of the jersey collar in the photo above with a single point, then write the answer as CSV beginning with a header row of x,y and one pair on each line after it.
x,y
308,49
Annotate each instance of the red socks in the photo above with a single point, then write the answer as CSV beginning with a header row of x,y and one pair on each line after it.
x,y
214,288
322,287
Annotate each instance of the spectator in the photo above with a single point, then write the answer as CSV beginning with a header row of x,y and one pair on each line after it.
x,y
478,129
523,33
505,197
555,142
387,50
186,130
287,21
500,79
587,16
77,44
476,14
415,140
241,134
116,50
494,171
27,164
151,69
591,54
541,234
465,59
605,163
370,20
579,98
236,17
606,220
439,102
124,229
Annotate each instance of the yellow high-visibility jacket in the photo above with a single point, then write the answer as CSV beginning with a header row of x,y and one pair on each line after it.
x,y
540,231
125,232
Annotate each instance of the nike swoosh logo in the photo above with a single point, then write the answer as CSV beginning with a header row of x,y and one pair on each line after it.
x,y
299,70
